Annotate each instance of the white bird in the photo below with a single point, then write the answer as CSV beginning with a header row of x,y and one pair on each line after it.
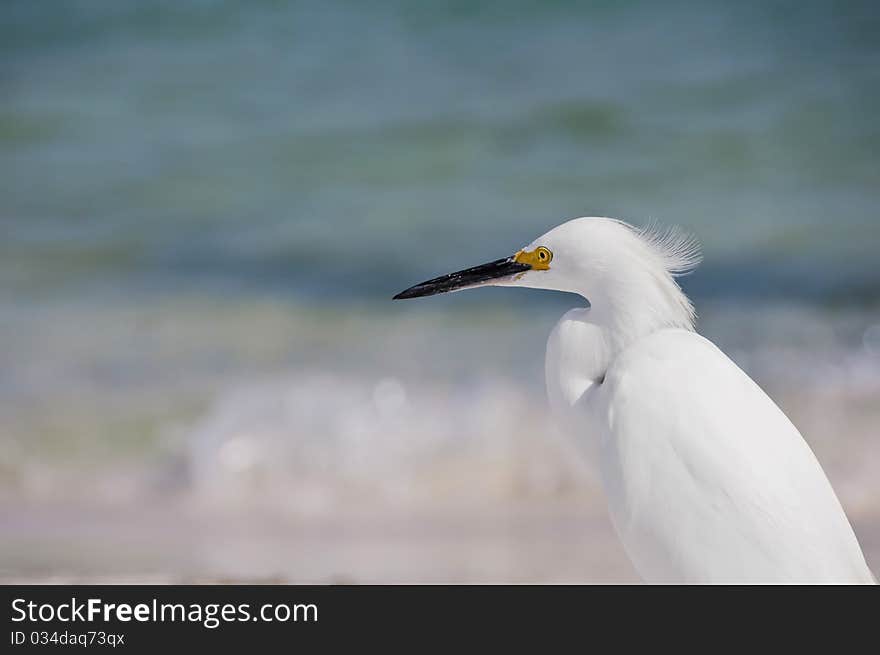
x,y
707,480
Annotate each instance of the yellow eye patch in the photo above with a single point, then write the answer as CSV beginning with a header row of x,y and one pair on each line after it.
x,y
539,258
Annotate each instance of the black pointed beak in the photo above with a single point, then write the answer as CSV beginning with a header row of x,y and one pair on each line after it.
x,y
470,277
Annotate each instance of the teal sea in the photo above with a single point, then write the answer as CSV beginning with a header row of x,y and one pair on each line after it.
x,y
206,207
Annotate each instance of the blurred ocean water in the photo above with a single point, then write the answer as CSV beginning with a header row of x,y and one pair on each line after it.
x,y
205,209
314,150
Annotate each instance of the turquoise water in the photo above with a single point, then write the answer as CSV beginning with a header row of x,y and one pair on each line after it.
x,y
332,152
204,202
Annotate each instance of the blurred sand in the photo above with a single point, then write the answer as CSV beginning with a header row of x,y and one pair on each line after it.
x,y
550,542
456,527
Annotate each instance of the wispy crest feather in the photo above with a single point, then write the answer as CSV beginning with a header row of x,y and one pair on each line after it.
x,y
678,249
676,253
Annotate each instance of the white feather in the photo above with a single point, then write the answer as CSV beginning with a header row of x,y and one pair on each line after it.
x,y
678,250
706,478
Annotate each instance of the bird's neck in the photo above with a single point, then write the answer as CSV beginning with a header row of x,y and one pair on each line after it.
x,y
636,304
585,342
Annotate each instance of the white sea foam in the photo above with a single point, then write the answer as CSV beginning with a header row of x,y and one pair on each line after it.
x,y
311,442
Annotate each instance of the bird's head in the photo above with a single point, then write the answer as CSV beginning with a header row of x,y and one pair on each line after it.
x,y
586,256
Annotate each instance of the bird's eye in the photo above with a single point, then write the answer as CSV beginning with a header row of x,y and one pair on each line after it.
x,y
538,259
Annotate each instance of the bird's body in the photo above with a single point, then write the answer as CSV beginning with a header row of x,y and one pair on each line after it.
x,y
710,483
706,478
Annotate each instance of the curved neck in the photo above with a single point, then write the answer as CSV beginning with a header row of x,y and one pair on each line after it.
x,y
636,303
585,342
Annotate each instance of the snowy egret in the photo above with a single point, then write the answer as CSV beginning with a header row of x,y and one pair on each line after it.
x,y
707,480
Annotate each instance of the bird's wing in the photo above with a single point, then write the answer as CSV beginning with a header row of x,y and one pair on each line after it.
x,y
708,481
